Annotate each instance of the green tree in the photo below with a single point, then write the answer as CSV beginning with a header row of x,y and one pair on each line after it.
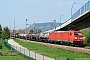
x,y
0,30
31,31
39,31
5,33
86,33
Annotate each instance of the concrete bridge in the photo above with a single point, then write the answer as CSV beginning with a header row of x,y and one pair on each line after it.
x,y
78,21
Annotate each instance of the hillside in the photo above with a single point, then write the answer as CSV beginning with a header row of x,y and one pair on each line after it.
x,y
43,26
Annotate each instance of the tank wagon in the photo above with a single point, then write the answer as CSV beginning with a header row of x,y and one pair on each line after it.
x,y
34,37
44,36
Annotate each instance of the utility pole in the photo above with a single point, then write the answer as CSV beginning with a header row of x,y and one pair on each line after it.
x,y
72,8
14,28
34,27
55,24
60,20
26,30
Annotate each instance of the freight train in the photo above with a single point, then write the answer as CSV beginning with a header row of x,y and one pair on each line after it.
x,y
71,37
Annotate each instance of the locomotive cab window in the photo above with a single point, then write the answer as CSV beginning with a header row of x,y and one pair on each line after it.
x,y
70,34
77,33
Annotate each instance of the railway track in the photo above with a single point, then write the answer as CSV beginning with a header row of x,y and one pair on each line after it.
x,y
75,49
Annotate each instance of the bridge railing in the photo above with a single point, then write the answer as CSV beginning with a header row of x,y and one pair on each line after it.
x,y
81,10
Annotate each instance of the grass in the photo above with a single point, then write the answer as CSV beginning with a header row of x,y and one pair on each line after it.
x,y
9,57
52,52
18,57
4,49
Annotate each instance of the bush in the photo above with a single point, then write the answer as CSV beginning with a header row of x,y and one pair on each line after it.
x,y
5,33
86,33
0,47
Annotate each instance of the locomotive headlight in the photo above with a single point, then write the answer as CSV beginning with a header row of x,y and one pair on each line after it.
x,y
81,38
75,37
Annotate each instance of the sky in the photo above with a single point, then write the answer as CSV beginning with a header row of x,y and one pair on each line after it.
x,y
38,11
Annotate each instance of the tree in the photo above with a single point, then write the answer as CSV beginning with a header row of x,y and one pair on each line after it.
x,y
0,30
31,31
39,31
5,33
86,33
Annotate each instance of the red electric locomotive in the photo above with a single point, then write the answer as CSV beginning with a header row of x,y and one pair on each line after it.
x,y
67,37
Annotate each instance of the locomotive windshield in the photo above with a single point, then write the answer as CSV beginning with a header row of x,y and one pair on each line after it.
x,y
78,33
